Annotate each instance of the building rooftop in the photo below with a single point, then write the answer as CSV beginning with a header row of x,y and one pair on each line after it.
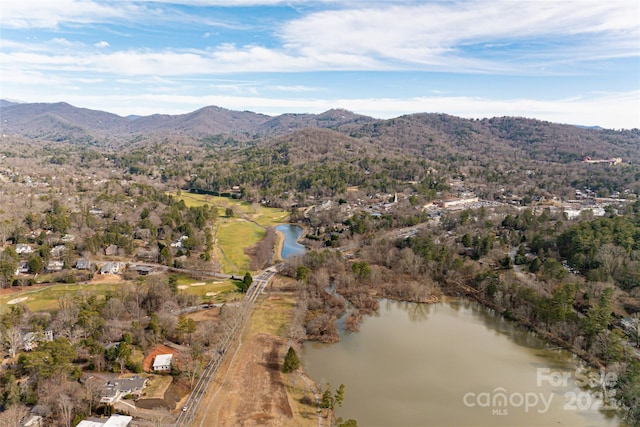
x,y
112,421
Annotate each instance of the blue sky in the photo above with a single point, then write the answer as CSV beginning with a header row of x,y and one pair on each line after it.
x,y
564,61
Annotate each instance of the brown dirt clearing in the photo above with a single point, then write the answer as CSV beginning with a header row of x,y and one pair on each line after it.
x,y
253,392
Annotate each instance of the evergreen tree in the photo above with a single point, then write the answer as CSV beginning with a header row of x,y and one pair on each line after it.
x,y
291,361
247,280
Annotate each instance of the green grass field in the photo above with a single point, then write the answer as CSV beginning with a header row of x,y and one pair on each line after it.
x,y
233,237
46,298
235,234
210,290
264,216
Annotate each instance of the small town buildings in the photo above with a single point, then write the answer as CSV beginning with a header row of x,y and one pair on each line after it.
x,y
83,264
55,266
142,270
57,251
455,203
162,362
178,243
110,268
23,268
116,389
34,421
30,340
112,421
22,249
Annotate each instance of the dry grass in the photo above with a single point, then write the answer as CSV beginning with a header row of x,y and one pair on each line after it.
x,y
157,386
272,316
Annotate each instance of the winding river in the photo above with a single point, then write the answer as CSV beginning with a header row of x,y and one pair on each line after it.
x,y
291,233
454,363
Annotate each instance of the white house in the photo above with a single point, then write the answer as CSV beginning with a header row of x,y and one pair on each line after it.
x,y
22,249
110,268
162,362
178,243
112,421
57,251
34,421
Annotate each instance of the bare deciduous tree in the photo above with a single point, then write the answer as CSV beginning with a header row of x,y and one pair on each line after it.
x,y
14,415
13,339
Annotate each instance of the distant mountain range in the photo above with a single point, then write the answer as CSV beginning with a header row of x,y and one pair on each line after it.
x,y
434,135
64,120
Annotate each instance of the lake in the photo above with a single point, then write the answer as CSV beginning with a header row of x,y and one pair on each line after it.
x,y
454,363
291,247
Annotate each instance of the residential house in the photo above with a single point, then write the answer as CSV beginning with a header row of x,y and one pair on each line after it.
x,y
22,249
57,251
30,340
178,243
162,362
112,421
55,266
116,389
110,268
149,254
23,268
83,264
34,421
628,325
142,270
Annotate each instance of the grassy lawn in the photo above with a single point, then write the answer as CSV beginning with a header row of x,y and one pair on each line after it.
x,y
272,315
237,233
46,298
219,291
233,237
157,386
262,215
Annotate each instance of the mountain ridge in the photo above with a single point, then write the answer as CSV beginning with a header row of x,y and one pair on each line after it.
x,y
436,135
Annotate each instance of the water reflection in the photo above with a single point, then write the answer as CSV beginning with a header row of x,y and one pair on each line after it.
x,y
414,364
291,247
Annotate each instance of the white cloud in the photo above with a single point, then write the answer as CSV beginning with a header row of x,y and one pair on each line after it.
x,y
424,36
427,33
50,14
296,88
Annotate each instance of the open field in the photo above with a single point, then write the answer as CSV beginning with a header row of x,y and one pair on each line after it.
x,y
215,291
235,234
254,211
249,389
45,297
272,316
233,237
157,386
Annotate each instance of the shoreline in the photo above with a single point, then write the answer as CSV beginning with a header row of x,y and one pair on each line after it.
x,y
277,250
